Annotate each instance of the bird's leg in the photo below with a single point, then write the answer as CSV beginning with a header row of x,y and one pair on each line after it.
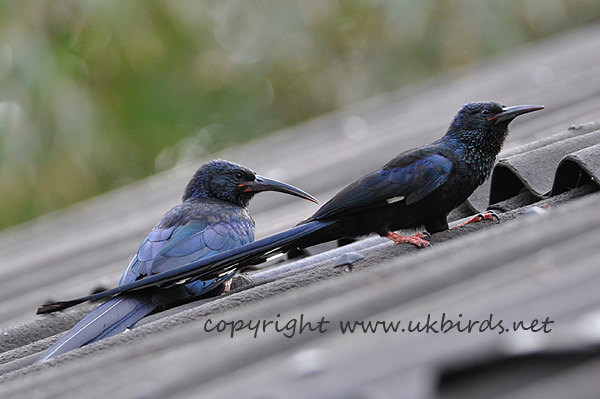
x,y
489,215
415,239
226,287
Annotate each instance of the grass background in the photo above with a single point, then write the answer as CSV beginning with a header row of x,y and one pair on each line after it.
x,y
95,94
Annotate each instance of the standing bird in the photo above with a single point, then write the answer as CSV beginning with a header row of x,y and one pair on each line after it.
x,y
211,219
419,187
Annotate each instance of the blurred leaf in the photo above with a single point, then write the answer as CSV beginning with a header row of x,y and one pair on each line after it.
x,y
94,94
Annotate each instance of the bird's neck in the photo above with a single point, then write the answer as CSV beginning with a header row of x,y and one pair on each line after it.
x,y
199,192
242,200
197,188
477,151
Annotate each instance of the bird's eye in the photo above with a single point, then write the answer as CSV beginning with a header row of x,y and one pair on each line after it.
x,y
486,112
239,175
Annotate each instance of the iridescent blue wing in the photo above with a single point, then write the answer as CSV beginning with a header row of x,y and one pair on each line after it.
x,y
141,264
197,240
409,177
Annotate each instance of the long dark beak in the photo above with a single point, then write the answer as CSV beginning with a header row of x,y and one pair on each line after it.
x,y
510,113
265,184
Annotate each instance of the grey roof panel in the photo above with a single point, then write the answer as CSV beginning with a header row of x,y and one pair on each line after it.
x,y
535,169
578,168
536,166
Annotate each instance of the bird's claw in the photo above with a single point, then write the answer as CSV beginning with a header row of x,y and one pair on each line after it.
x,y
226,287
416,239
424,235
487,215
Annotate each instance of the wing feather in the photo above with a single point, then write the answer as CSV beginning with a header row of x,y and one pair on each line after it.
x,y
410,176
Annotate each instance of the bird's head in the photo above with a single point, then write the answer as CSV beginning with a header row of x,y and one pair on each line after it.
x,y
486,123
234,183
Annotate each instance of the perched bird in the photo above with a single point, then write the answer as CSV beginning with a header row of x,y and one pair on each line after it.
x,y
211,219
419,187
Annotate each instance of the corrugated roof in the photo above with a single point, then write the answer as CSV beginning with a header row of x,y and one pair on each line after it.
x,y
545,167
538,263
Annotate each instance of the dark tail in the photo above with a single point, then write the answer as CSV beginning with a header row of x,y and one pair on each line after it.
x,y
210,267
119,313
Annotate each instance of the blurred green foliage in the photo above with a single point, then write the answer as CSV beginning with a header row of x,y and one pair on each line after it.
x,y
94,94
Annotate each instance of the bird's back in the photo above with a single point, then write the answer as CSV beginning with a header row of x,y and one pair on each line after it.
x,y
191,230
417,188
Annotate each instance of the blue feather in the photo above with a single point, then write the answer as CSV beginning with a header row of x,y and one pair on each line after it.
x,y
211,219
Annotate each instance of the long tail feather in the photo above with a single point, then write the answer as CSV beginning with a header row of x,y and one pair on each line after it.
x,y
206,268
108,319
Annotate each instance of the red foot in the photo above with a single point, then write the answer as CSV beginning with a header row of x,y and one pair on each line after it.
x,y
489,215
227,288
415,239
